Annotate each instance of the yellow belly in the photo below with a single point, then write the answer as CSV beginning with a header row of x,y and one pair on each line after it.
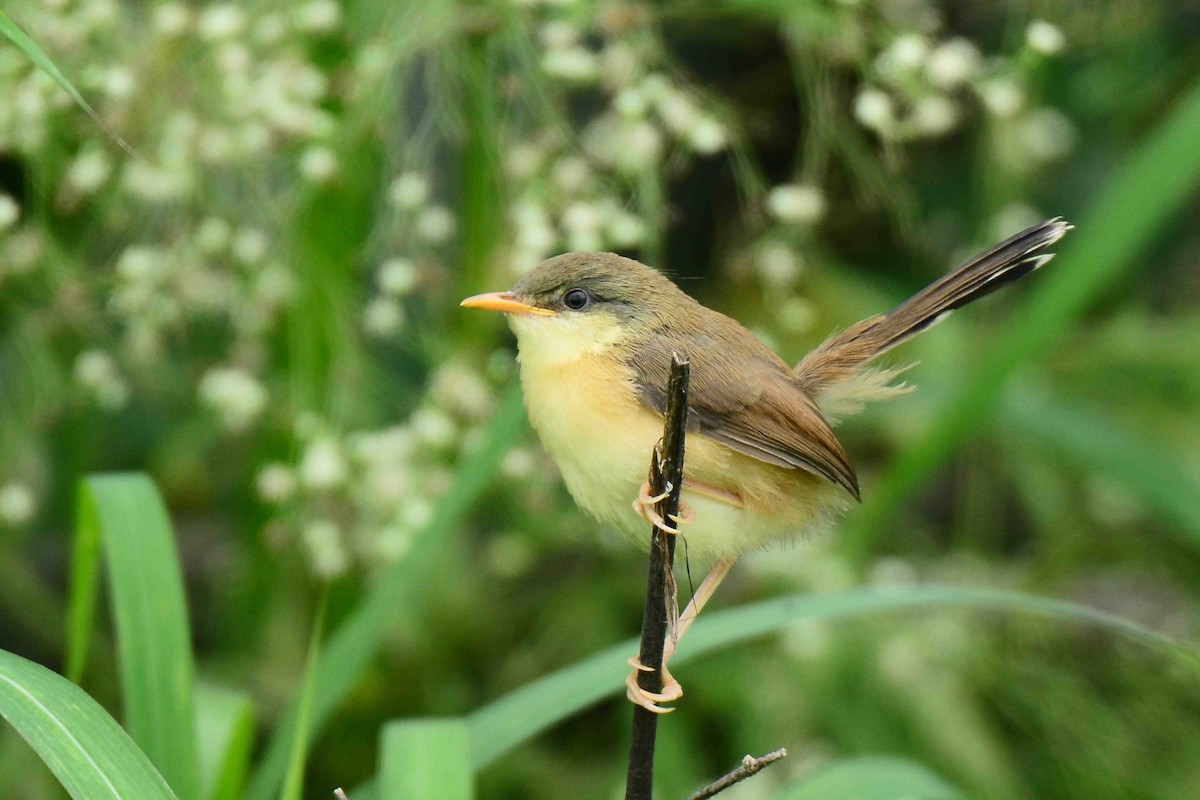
x,y
587,414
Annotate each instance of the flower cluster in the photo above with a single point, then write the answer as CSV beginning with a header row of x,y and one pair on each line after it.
x,y
592,194
918,83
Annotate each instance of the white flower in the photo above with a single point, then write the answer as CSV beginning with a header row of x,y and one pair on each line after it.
x,y
318,164
906,54
119,83
234,394
397,276
799,203
1045,37
142,264
323,465
318,16
94,368
572,64
631,102
934,115
408,190
523,159
641,145
436,224
559,34
418,512
461,388
874,109
17,504
250,246
571,173
88,171
171,19
276,483
797,315
382,317
212,235
626,230
582,216
270,28
222,21
1002,97
707,136
10,212
325,548
518,464
678,111
952,63
433,427
777,264
1047,134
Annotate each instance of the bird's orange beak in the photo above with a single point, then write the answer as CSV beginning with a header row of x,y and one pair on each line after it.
x,y
504,301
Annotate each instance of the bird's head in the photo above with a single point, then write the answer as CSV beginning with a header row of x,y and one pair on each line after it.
x,y
580,303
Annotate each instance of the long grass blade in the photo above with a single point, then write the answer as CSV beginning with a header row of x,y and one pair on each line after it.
x,y
123,516
872,778
1153,185
352,647
425,759
81,744
225,737
37,55
503,724
293,785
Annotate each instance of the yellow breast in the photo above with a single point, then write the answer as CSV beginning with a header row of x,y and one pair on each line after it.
x,y
583,403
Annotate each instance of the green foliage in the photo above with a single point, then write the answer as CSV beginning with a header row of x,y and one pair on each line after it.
x,y
125,514
260,313
225,737
872,778
81,744
425,758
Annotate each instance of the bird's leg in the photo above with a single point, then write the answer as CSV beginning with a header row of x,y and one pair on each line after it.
x,y
645,504
679,625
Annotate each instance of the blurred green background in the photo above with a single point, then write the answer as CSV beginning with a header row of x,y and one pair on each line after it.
x,y
261,311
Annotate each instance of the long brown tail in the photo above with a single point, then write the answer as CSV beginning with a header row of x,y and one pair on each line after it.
x,y
841,356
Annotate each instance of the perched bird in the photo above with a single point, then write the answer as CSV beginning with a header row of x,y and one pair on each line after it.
x,y
596,333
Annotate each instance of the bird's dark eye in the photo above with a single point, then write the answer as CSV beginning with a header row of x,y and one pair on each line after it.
x,y
576,299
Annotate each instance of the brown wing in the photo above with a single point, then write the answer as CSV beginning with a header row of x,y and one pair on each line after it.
x,y
742,395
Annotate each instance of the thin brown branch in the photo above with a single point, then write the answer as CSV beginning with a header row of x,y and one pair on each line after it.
x,y
750,766
666,475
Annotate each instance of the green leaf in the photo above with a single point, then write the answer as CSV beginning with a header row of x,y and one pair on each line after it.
x,y
505,723
81,744
124,515
1152,186
293,785
351,648
872,778
1104,446
425,759
225,737
38,56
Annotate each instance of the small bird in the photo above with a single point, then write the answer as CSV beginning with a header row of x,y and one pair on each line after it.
x,y
595,337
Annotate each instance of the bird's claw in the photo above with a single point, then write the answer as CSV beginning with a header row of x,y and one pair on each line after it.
x,y
647,699
644,506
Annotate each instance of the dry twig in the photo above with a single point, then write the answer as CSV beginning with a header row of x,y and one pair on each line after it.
x,y
750,766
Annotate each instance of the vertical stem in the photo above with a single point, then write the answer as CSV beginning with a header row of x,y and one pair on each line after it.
x,y
666,474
